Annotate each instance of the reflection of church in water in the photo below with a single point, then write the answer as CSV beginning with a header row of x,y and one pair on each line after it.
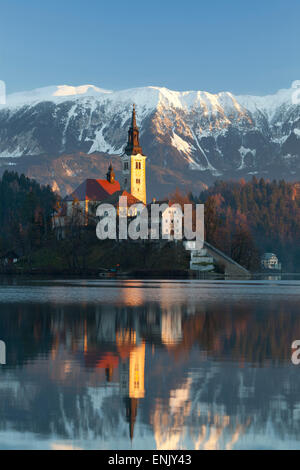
x,y
120,349
128,359
132,372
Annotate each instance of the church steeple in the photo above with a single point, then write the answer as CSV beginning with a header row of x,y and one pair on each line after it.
x,y
133,120
131,414
133,145
110,175
134,164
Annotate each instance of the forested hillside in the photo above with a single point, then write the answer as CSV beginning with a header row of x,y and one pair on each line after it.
x,y
246,219
243,219
25,213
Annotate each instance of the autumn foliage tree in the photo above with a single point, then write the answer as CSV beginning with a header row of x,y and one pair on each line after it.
x,y
245,219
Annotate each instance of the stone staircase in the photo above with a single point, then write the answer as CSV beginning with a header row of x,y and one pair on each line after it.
x,y
206,258
200,259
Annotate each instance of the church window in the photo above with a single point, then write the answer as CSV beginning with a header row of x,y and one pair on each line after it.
x,y
138,165
138,181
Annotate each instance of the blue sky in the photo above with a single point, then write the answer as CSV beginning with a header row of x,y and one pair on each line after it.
x,y
214,45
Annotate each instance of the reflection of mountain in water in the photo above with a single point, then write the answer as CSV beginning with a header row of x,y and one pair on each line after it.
x,y
184,375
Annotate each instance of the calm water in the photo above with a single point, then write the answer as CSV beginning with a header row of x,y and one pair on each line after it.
x,y
149,364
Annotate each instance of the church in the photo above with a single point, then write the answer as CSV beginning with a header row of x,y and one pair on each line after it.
x,y
79,208
92,192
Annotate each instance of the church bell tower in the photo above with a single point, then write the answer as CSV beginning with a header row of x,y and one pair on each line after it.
x,y
134,164
110,175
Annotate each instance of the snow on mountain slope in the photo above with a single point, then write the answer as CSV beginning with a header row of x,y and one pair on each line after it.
x,y
267,104
153,96
52,93
146,98
188,136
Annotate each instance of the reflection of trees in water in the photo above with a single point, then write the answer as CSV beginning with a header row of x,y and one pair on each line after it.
x,y
257,334
204,400
249,332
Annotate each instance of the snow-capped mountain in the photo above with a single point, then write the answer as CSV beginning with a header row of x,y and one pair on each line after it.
x,y
63,134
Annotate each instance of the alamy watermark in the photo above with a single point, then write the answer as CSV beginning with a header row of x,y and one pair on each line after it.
x,y
2,353
296,352
152,222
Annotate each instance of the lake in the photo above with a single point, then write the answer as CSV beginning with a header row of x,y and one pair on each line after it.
x,y
128,364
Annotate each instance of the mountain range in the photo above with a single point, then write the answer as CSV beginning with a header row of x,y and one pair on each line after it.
x,y
61,135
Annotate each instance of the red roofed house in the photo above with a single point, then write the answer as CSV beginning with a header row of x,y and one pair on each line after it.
x,y
93,192
84,199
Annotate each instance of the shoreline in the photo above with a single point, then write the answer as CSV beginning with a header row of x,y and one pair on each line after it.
x,y
139,274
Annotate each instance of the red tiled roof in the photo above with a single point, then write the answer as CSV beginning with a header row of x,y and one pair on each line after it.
x,y
94,190
114,199
130,199
103,360
108,360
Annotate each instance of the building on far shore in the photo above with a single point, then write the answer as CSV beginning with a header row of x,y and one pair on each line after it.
x,y
269,261
9,258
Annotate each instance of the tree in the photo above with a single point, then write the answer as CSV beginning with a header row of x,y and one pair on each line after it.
x,y
244,251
